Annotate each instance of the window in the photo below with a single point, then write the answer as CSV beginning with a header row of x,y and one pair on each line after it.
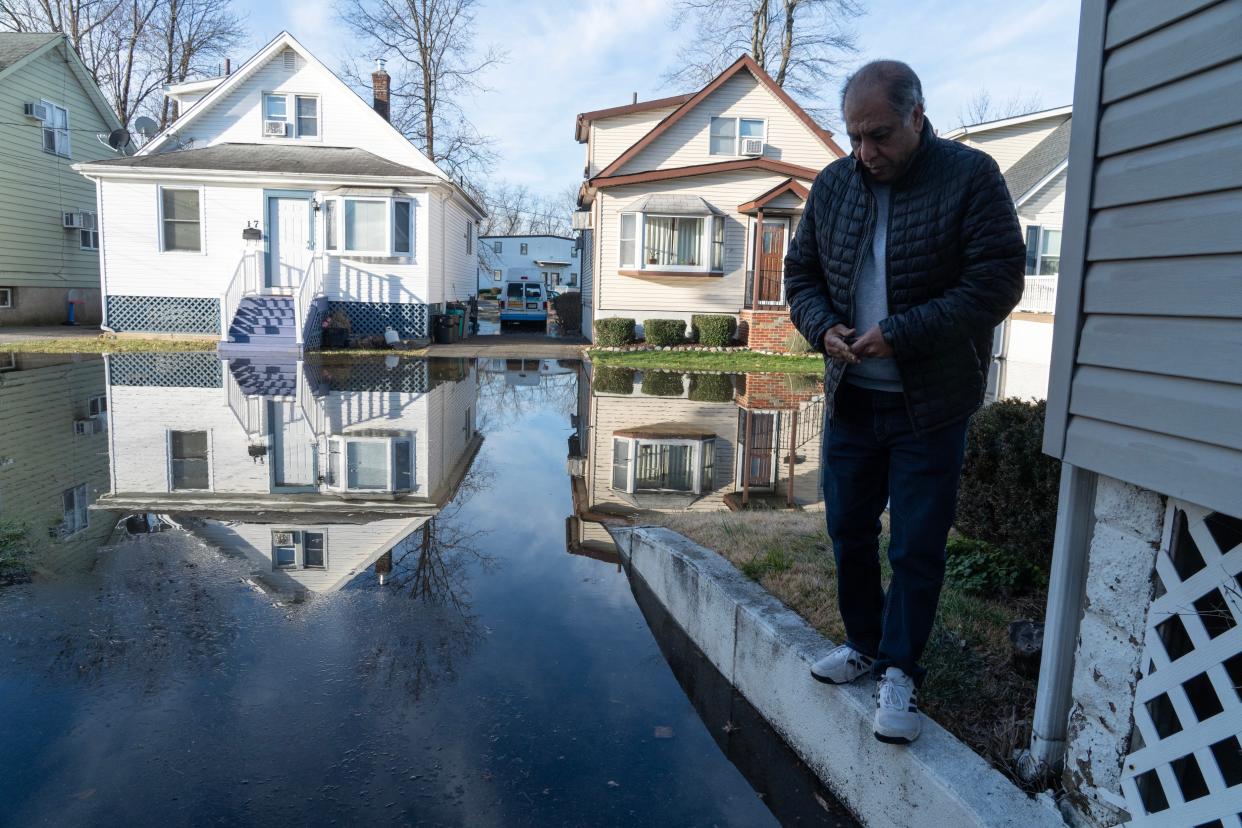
x,y
496,247
76,514
402,228
365,226
469,237
1043,251
308,116
97,407
181,220
629,223
188,457
573,252
522,252
642,465
284,549
717,261
89,234
329,224
313,552
497,275
275,108
56,130
383,464
726,134
6,297
672,241
573,279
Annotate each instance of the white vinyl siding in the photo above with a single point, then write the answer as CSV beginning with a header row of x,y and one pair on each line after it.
x,y
1008,144
610,137
687,142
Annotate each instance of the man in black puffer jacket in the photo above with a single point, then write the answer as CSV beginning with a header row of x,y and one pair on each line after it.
x,y
909,254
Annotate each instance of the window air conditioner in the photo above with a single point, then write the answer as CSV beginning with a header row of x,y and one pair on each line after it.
x,y
752,146
71,221
274,129
36,110
84,427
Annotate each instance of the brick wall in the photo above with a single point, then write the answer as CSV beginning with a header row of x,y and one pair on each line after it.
x,y
765,330
774,392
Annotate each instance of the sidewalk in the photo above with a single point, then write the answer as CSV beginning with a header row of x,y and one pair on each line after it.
x,y
26,333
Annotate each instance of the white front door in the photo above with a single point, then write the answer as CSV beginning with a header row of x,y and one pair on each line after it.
x,y
289,241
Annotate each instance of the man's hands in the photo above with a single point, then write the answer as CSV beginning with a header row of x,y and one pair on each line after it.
x,y
870,345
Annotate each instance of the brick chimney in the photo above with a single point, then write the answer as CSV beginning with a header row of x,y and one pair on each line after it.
x,y
379,85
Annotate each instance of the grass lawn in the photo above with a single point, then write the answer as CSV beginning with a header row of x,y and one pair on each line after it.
x,y
971,689
738,362
107,344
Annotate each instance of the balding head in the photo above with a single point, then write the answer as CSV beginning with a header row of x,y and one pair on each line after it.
x,y
883,107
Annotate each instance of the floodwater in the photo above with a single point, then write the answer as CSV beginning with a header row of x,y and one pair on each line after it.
x,y
362,593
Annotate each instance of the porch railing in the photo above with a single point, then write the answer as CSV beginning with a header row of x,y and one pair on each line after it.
x,y
310,288
1039,295
245,281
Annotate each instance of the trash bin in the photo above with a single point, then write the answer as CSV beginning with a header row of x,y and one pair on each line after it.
x,y
458,315
444,329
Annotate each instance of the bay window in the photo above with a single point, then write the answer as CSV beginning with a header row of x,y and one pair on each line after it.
x,y
366,226
672,240
690,244
372,464
362,226
655,465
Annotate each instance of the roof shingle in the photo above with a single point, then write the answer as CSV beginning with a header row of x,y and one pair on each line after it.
x,y
16,45
1042,159
264,158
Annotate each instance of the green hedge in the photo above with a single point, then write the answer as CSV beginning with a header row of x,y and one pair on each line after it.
x,y
663,332
711,387
613,332
715,330
568,307
663,384
612,379
1008,495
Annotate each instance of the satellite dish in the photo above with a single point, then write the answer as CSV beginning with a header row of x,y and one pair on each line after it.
x,y
146,127
118,138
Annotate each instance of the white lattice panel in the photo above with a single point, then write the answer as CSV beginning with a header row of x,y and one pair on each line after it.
x,y
1185,768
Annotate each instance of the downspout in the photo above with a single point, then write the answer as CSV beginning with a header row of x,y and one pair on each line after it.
x,y
1066,590
103,260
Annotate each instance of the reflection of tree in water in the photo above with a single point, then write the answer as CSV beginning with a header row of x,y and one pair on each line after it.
x,y
437,628
501,401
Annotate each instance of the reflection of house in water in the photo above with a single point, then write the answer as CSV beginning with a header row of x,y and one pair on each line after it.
x,y
54,453
529,370
658,441
312,471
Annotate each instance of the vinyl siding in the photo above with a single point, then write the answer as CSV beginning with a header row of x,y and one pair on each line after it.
x,y
1008,144
1047,207
587,282
1154,390
37,187
620,295
447,405
609,137
460,267
686,142
41,457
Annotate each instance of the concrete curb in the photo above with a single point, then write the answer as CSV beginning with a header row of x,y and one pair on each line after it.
x,y
765,650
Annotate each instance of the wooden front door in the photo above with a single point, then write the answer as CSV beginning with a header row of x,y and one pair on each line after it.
x,y
761,451
772,263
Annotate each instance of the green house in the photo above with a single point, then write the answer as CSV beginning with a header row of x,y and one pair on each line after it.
x,y
52,115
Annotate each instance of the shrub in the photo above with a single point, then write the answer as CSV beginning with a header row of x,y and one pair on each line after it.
x,y
610,333
715,330
711,387
568,307
984,569
612,379
663,384
1008,495
663,332
14,552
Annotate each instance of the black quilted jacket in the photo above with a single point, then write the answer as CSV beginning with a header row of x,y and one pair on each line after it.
x,y
956,261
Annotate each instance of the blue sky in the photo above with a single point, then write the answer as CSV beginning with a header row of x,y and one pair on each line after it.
x,y
566,58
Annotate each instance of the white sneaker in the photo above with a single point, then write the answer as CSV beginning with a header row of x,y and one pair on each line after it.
x,y
897,719
841,666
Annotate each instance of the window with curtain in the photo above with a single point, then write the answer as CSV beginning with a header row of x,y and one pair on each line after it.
x,y
717,262
181,218
629,225
664,468
365,223
675,241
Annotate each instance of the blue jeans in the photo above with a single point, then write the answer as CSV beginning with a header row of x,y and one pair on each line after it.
x,y
873,458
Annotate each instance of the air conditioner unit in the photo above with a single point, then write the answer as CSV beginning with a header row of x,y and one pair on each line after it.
x,y
85,427
71,221
36,110
752,146
274,129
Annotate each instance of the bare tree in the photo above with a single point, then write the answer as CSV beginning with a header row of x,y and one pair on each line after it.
x,y
803,44
436,64
513,210
192,37
983,107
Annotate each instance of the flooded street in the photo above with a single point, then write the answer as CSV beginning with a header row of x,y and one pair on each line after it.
x,y
359,593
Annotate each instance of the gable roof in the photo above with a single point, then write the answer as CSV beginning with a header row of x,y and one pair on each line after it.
x,y
1044,159
282,41
601,181
14,46
746,63
787,186
585,118
1017,120
19,48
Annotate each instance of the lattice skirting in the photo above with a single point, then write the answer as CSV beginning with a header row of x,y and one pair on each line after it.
x,y
371,318
164,314
191,370
315,315
1185,765
409,376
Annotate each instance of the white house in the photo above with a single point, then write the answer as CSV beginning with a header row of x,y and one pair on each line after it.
x,y
1033,153
550,259
675,189
276,198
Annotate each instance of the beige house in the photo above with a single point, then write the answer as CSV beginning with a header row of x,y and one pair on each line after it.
x,y
689,202
1033,153
51,116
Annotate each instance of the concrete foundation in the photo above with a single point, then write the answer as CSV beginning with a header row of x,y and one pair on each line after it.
x,y
765,650
50,306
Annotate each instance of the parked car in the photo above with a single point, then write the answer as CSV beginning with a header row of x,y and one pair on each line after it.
x,y
524,301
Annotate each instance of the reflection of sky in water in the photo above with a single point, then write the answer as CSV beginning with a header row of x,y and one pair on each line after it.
x,y
163,689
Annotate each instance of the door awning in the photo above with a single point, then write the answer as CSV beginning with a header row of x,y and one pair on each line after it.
x,y
785,197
